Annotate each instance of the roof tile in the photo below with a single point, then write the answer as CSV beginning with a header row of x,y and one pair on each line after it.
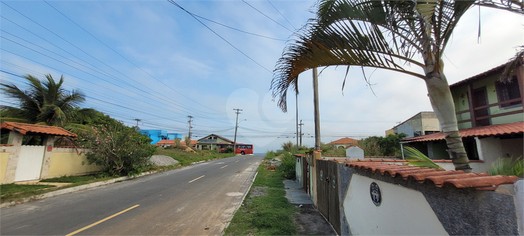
x,y
440,178
24,128
345,140
511,128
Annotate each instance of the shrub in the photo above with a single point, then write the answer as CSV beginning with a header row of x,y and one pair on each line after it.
x,y
288,165
507,166
119,150
177,142
288,146
187,140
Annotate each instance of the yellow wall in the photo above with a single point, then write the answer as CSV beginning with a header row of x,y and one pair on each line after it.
x,y
4,156
69,163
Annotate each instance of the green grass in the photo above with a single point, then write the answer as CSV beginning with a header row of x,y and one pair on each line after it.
x,y
73,179
18,188
186,158
265,215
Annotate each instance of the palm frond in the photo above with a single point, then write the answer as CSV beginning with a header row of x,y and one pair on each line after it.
x,y
419,158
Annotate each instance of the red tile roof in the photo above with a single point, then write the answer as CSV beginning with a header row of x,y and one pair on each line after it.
x,y
345,140
482,75
492,130
440,178
24,128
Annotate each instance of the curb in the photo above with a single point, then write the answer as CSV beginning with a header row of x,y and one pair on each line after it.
x,y
72,189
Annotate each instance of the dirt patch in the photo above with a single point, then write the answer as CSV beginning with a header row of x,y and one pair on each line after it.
x,y
309,221
161,160
258,191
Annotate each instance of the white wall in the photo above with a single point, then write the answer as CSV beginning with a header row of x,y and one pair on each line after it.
x,y
298,170
403,211
354,152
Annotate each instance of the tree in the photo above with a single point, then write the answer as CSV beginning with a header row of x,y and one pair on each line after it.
x,y
118,149
386,35
44,102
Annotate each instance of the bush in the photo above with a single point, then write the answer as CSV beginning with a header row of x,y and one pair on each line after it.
x,y
119,150
288,146
177,142
288,165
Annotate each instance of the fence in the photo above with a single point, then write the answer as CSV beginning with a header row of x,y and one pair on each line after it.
x,y
376,198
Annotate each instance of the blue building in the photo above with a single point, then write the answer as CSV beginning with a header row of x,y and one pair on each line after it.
x,y
157,135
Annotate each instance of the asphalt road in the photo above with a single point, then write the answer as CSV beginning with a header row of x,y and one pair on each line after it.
x,y
195,200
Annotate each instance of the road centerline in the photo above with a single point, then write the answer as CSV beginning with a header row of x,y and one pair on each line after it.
x,y
102,220
196,179
223,167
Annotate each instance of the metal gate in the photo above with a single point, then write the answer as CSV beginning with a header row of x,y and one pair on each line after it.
x,y
30,162
327,190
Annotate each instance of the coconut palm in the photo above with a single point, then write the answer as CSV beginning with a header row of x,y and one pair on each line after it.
x,y
387,35
45,102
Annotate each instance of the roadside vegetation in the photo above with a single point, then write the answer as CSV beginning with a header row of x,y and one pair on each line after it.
x,y
265,211
187,156
13,192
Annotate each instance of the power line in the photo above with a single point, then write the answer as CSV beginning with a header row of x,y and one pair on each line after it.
x,y
128,59
266,16
98,59
230,44
281,14
239,30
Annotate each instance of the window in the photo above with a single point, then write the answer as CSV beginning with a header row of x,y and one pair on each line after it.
x,y
508,91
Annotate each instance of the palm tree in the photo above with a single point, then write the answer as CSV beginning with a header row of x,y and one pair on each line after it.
x,y
45,102
387,35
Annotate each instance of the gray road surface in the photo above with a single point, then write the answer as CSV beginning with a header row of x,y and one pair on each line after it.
x,y
196,200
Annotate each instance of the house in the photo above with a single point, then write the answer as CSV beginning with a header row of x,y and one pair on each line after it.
x,y
210,142
343,142
490,119
168,142
423,123
20,162
157,135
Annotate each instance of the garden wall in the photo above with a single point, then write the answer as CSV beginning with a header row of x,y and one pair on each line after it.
x,y
66,161
377,198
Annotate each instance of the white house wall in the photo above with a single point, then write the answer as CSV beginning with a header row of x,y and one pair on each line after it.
x,y
403,211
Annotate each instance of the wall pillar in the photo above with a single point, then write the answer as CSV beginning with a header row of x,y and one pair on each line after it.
x,y
480,153
49,141
15,139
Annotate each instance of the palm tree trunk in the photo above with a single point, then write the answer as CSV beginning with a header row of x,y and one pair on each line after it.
x,y
444,108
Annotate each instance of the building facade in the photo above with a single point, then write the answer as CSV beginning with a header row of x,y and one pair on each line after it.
x,y
423,123
490,119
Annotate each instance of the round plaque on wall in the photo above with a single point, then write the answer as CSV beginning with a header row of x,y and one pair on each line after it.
x,y
374,191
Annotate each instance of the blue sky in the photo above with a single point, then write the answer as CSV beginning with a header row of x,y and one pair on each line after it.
x,y
152,61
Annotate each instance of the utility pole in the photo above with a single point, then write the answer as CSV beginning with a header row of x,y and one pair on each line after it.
x,y
189,133
301,124
317,112
296,95
236,127
137,120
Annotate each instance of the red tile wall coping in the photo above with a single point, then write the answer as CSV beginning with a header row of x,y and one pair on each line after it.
x,y
395,160
24,128
299,155
6,145
438,177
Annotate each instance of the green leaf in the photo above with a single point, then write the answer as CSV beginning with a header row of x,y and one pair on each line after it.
x,y
419,158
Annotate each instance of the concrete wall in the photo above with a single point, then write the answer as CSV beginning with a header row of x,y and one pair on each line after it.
x,y
4,157
66,161
411,208
399,206
298,170
354,152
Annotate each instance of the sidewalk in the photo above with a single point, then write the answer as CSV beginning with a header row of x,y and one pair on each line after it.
x,y
309,220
